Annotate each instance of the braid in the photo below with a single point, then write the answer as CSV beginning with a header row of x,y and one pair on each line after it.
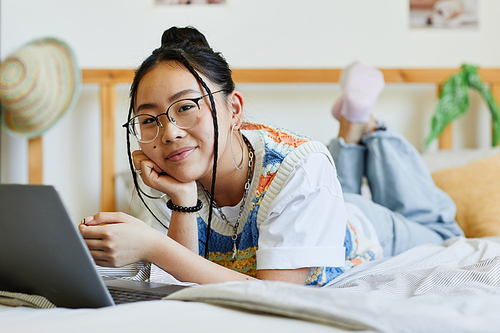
x,y
216,150
134,176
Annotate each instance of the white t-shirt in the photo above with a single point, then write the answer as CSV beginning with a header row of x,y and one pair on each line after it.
x,y
306,222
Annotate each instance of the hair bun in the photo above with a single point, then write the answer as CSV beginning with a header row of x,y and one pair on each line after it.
x,y
188,35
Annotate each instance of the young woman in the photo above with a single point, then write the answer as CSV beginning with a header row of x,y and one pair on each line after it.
x,y
255,200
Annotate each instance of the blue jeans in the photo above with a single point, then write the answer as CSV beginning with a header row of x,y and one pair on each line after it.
x,y
407,208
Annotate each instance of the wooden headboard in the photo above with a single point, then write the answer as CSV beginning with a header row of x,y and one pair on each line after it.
x,y
109,78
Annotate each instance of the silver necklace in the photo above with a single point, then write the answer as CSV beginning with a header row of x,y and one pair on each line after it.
x,y
234,237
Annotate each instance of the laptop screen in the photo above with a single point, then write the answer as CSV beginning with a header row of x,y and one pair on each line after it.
x,y
42,252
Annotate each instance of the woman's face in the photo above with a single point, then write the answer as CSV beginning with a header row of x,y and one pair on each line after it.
x,y
185,154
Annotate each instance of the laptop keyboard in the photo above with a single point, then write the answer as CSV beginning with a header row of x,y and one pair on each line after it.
x,y
122,296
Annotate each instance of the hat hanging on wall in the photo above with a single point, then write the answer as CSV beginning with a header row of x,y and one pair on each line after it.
x,y
38,84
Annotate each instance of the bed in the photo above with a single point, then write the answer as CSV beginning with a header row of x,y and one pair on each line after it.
x,y
454,286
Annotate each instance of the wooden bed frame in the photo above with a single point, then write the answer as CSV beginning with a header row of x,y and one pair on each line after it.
x,y
109,78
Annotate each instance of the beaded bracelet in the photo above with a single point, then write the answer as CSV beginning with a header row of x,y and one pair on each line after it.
x,y
182,209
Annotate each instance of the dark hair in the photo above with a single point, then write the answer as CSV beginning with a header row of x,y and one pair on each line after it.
x,y
189,48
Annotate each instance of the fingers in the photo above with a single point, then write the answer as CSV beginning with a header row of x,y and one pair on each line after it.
x,y
153,176
107,218
103,263
149,171
98,247
100,240
137,157
103,255
141,160
103,258
114,239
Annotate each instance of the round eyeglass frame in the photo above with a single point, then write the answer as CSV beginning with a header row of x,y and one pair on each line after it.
x,y
129,124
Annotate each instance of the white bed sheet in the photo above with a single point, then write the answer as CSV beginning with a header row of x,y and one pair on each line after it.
x,y
152,316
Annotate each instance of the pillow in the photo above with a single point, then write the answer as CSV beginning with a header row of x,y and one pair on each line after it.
x,y
445,159
475,188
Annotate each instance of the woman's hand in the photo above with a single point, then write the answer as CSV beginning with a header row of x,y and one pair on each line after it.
x,y
117,239
182,194
183,227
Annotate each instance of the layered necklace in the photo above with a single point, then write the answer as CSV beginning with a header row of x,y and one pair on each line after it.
x,y
235,226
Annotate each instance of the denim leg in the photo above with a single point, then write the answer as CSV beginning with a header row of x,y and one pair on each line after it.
x,y
350,163
396,233
408,209
399,180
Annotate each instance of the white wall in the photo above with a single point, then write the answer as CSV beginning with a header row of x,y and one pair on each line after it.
x,y
257,33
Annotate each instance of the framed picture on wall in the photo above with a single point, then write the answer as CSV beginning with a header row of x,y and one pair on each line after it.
x,y
188,2
444,14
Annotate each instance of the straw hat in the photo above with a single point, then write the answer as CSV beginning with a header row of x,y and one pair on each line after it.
x,y
38,84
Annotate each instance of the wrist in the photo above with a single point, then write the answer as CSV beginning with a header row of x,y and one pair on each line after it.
x,y
185,195
151,252
185,201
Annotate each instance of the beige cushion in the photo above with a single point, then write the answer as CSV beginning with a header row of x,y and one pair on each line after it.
x,y
475,188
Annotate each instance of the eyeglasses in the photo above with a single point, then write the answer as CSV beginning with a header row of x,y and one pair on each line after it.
x,y
183,114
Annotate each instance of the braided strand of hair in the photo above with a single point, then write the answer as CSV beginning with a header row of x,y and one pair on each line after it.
x,y
216,149
134,177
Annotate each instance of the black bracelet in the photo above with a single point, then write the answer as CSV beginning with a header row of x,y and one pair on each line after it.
x,y
183,209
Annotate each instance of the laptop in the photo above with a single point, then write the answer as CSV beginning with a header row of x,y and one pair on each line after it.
x,y
43,253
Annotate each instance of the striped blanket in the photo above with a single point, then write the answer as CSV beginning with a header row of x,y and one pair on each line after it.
x,y
452,287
